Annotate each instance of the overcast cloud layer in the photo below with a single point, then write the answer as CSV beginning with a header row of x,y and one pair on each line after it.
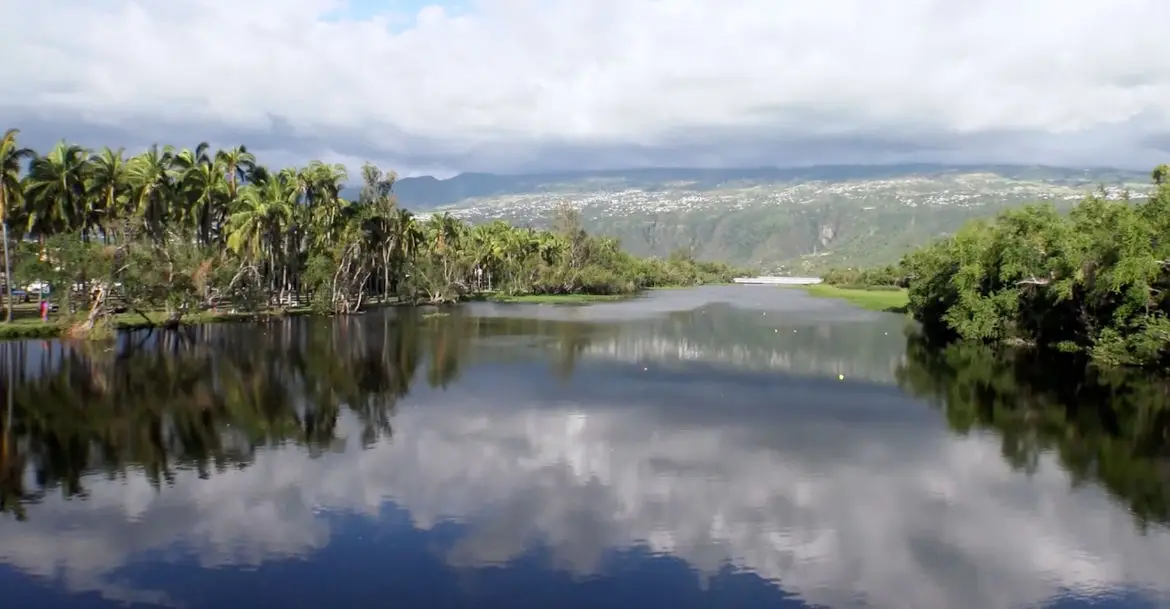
x,y
519,85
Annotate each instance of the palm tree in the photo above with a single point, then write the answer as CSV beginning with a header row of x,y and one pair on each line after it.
x,y
151,176
11,160
202,182
445,232
406,236
257,228
55,190
323,182
237,164
107,187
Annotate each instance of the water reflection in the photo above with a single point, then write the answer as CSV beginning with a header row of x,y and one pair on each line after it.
x,y
437,462
1111,428
724,336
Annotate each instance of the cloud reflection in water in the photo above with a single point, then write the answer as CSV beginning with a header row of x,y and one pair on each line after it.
x,y
796,480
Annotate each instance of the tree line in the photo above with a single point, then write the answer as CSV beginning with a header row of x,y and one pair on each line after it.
x,y
1094,281
195,228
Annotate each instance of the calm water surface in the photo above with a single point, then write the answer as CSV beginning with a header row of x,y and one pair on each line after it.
x,y
673,451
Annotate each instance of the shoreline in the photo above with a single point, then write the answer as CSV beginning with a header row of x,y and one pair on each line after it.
x,y
881,301
32,328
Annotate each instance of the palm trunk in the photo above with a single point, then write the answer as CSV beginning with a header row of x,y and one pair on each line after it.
x,y
7,272
205,225
283,285
385,276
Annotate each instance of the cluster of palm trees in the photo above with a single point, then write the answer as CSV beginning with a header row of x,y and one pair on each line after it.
x,y
284,234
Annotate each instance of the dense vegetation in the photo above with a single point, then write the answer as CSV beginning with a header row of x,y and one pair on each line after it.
x,y
1092,281
889,277
190,229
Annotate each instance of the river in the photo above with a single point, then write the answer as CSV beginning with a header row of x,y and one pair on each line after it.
x,y
739,446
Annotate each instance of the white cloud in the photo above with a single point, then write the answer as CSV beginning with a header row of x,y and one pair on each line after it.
x,y
519,76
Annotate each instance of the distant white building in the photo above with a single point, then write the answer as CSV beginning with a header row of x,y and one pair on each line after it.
x,y
778,280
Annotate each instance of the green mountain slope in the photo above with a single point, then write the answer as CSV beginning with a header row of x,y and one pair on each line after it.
x,y
780,219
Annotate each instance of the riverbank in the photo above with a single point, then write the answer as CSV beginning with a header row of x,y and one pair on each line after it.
x,y
28,325
883,300
56,327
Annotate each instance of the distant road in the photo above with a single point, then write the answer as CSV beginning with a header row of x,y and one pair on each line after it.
x,y
778,280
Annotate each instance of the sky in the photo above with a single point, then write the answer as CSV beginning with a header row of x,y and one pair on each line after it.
x,y
533,85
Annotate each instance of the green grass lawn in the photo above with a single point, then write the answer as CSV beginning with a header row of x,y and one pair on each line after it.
x,y
30,327
889,301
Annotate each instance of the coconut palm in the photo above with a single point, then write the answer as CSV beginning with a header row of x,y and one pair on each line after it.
x,y
152,180
12,159
55,191
238,166
107,187
202,181
257,228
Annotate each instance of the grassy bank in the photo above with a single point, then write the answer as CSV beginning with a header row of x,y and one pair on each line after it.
x,y
28,325
30,328
33,328
888,301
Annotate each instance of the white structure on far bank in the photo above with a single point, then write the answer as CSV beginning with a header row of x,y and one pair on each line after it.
x,y
778,280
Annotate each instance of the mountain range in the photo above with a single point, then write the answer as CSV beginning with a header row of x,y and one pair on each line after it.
x,y
777,219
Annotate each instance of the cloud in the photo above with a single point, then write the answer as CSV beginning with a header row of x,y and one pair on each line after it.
x,y
515,84
769,482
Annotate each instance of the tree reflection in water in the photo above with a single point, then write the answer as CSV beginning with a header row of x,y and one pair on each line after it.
x,y
208,398
1107,427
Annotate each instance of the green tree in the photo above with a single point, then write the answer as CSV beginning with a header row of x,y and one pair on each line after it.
x,y
12,158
